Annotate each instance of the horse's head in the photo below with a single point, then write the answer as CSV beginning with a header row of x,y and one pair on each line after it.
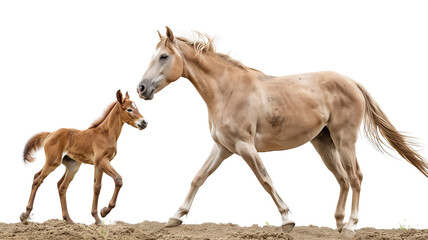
x,y
129,112
165,67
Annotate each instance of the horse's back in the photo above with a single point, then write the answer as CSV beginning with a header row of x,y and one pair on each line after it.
x,y
296,108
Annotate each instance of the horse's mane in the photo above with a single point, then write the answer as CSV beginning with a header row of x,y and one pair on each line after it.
x,y
204,44
101,119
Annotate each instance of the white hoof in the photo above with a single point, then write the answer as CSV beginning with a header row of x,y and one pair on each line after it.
x,y
173,222
347,232
288,227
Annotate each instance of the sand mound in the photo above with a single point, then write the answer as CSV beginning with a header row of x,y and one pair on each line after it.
x,y
58,229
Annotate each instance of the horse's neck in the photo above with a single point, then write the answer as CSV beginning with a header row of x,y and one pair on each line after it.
x,y
112,125
212,78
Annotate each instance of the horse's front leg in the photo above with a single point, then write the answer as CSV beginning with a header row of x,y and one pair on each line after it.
x,y
105,166
97,189
216,157
249,153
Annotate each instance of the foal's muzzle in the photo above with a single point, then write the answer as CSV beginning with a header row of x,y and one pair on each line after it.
x,y
142,124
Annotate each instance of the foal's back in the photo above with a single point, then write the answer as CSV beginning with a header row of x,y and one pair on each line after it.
x,y
77,144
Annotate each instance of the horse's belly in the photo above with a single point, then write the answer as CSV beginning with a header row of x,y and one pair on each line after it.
x,y
288,138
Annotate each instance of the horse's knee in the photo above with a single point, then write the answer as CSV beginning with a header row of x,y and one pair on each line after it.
x,y
344,183
62,191
197,181
356,184
118,181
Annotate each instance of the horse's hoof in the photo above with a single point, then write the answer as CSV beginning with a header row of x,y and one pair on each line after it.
x,y
288,227
104,212
340,228
173,222
98,223
23,217
347,232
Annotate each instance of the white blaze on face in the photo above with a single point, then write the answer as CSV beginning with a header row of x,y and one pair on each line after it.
x,y
133,105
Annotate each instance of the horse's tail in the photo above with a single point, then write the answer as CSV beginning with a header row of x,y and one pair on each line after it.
x,y
375,122
33,145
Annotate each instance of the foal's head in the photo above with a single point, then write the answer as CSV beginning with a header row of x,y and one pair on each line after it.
x,y
129,112
165,67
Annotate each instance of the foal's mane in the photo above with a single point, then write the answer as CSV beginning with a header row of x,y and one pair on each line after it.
x,y
101,119
202,43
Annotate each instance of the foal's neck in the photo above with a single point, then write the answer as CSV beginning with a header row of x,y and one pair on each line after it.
x,y
112,125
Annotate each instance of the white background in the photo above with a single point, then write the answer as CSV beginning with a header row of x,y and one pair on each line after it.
x,y
62,62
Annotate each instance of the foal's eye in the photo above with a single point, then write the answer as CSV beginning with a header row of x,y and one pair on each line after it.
x,y
163,56
129,110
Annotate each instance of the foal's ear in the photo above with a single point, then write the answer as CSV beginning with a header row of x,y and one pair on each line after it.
x,y
169,34
126,95
160,35
119,96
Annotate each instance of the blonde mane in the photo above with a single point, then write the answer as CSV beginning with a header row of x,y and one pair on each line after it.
x,y
204,44
101,119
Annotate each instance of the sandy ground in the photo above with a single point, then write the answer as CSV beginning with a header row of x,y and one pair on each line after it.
x,y
58,229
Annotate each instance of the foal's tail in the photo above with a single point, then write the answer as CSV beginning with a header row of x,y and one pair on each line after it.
x,y
33,145
375,122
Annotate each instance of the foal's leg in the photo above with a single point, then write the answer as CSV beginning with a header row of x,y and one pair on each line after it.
x,y
328,152
52,162
216,157
249,153
71,168
97,189
105,166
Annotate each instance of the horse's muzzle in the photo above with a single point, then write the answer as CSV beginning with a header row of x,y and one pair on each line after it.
x,y
146,92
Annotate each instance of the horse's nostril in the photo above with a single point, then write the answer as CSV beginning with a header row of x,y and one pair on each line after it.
x,y
142,88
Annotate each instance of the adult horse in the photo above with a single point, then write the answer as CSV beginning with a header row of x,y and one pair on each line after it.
x,y
251,112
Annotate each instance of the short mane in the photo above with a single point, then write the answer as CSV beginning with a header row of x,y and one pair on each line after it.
x,y
104,116
203,43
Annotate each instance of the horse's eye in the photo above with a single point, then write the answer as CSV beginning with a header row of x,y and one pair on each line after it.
x,y
129,110
163,56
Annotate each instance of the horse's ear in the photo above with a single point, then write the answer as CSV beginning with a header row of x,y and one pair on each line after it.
x,y
160,35
119,96
169,34
126,95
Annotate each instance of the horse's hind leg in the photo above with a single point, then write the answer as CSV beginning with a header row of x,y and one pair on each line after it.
x,y
71,168
344,141
330,156
52,162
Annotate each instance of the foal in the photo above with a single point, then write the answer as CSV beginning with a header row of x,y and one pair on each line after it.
x,y
95,145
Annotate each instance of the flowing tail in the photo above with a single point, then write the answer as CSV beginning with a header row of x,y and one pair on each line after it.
x,y
33,145
375,122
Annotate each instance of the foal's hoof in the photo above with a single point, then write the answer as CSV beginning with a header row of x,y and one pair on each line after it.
x,y
67,219
347,232
98,223
173,222
288,227
23,217
104,211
